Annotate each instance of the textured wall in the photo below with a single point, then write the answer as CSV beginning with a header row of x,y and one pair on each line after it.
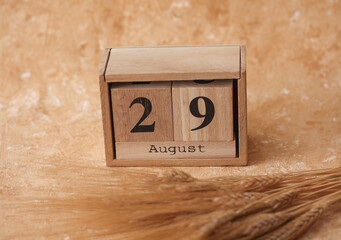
x,y
50,117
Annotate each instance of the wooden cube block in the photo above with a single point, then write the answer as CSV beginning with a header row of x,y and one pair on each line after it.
x,y
142,111
203,110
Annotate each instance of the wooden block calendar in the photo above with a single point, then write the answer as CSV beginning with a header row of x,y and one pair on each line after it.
x,y
174,106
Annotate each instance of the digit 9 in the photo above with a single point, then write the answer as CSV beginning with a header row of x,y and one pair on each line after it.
x,y
209,114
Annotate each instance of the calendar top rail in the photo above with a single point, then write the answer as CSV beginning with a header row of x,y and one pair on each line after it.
x,y
134,64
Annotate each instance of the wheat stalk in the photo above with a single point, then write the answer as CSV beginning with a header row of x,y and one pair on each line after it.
x,y
174,205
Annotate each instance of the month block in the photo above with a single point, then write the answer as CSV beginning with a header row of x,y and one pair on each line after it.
x,y
203,110
142,111
176,150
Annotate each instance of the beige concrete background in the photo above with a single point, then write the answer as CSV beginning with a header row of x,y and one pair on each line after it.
x,y
50,117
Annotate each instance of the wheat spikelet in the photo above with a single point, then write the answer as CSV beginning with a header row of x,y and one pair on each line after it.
x,y
257,182
311,214
175,175
298,226
252,226
273,202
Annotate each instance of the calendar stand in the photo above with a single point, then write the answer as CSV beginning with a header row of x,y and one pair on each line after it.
x,y
216,136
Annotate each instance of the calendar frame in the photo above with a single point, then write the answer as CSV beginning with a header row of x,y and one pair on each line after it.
x,y
195,69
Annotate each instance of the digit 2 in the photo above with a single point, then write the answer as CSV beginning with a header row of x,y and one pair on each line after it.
x,y
147,110
209,114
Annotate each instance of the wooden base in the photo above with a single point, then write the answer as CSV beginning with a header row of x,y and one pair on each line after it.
x,y
175,150
178,162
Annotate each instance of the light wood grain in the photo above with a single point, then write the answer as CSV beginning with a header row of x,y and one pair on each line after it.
x,y
242,109
208,162
106,109
175,150
173,63
221,126
126,116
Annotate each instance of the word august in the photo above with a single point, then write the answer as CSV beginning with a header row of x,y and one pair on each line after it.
x,y
172,150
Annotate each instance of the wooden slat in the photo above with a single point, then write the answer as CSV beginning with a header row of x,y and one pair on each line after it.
x,y
106,109
173,63
242,109
177,162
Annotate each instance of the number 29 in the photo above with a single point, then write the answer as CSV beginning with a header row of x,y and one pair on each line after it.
x,y
193,107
